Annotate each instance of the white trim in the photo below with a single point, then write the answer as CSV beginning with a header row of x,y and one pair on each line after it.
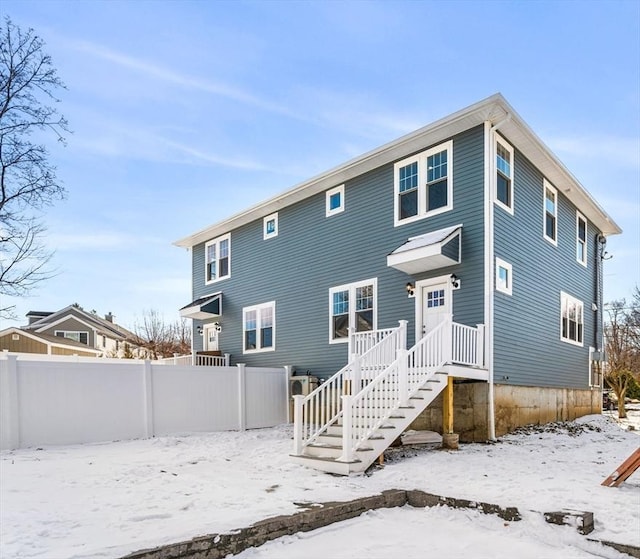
x,y
258,308
579,217
497,139
351,288
217,242
270,234
508,288
569,298
419,302
63,319
328,194
422,187
546,185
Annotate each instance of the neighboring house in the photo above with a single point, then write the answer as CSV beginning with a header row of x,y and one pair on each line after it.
x,y
471,216
73,327
17,340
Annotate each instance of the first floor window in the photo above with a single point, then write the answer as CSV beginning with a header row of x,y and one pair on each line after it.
x,y
259,327
550,213
503,277
81,337
217,256
352,306
572,319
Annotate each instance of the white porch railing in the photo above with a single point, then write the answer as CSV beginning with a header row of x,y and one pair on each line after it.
x,y
467,345
322,407
195,359
368,409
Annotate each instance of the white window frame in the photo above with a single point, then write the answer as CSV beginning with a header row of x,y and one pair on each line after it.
x,y
580,242
508,288
66,335
421,159
265,222
258,308
509,148
217,242
351,288
548,186
328,195
565,299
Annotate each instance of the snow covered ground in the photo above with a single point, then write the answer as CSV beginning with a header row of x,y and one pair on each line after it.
x,y
105,500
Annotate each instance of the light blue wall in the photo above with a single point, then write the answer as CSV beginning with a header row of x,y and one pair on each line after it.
x,y
313,253
528,349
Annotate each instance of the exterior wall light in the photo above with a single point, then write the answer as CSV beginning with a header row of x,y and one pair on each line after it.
x,y
410,289
455,281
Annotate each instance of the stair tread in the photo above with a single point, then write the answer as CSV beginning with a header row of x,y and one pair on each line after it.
x,y
324,459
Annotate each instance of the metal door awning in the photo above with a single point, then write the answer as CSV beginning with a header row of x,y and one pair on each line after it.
x,y
430,251
202,308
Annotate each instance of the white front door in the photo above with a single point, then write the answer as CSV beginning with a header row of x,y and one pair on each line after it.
x,y
434,300
210,337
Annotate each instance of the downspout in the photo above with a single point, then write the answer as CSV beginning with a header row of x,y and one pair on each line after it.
x,y
489,183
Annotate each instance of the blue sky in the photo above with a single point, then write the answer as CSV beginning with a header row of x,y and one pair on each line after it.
x,y
184,113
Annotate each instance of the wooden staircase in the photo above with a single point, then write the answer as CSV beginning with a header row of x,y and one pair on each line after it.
x,y
326,452
348,421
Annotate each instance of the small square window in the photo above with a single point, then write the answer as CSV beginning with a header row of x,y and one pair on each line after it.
x,y
270,226
504,277
335,200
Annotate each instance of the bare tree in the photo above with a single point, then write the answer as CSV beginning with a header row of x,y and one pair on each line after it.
x,y
622,347
28,182
162,339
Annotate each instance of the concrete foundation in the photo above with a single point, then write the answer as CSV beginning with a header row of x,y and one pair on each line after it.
x,y
514,406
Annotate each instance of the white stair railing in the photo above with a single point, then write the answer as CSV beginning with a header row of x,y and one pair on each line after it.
x,y
367,410
467,345
313,414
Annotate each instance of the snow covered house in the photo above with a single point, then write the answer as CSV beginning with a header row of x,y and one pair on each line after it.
x,y
462,258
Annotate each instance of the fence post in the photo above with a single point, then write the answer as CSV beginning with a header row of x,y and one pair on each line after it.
x,y
227,359
480,346
12,402
147,383
242,401
288,371
297,424
403,377
448,339
347,430
350,344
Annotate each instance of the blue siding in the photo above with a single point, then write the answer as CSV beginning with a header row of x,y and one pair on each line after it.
x,y
528,349
313,253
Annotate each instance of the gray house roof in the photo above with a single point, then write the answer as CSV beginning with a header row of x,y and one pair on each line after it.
x,y
494,110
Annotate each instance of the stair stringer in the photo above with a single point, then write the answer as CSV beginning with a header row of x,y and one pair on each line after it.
x,y
324,454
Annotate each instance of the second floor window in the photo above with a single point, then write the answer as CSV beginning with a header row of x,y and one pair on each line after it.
x,y
581,239
217,259
504,175
81,337
424,184
550,213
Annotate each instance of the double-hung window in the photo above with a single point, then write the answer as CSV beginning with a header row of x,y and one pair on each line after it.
x,y
572,319
550,213
352,306
424,184
581,239
504,175
80,337
258,327
217,259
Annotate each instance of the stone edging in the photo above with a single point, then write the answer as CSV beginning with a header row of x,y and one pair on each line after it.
x,y
318,515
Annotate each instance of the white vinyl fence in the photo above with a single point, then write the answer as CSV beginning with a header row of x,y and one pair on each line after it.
x,y
69,400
